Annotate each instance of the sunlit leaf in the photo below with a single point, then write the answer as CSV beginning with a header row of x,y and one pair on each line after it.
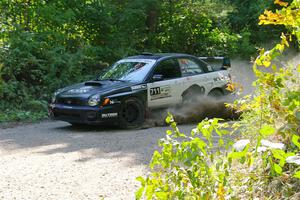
x,y
281,3
237,154
297,174
295,140
278,154
162,195
267,130
139,193
277,169
141,180
149,192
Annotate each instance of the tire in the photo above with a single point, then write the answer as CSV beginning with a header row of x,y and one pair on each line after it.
x,y
216,94
192,95
216,106
132,113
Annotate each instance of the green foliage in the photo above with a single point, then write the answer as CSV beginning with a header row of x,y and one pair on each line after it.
x,y
246,47
31,110
21,115
42,49
253,35
195,27
183,167
30,72
265,165
193,167
45,45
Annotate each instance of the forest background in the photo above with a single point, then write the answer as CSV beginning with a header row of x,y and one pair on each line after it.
x,y
45,45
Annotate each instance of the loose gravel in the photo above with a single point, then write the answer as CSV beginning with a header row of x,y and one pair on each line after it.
x,y
53,160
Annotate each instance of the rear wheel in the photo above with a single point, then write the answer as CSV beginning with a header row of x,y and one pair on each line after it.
x,y
192,95
217,105
216,94
132,113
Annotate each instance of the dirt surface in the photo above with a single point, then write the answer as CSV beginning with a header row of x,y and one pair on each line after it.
x,y
53,160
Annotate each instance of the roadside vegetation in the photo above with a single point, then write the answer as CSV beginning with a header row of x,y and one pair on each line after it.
x,y
45,45
265,162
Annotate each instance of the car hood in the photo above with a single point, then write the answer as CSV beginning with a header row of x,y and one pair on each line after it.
x,y
88,88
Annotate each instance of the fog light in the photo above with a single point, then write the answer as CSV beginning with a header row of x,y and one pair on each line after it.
x,y
106,102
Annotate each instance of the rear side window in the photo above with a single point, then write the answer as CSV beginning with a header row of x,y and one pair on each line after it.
x,y
189,67
169,69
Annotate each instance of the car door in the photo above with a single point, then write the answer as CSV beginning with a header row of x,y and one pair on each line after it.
x,y
167,91
194,75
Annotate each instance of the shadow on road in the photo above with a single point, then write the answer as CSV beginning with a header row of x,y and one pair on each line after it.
x,y
89,142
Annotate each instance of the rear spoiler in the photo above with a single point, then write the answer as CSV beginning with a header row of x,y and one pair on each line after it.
x,y
216,63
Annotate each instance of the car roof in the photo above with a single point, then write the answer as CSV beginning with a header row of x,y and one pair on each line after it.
x,y
157,56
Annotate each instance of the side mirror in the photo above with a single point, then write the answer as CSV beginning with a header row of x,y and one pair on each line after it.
x,y
157,77
226,63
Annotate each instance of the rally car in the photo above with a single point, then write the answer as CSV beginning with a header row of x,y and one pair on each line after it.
x,y
125,92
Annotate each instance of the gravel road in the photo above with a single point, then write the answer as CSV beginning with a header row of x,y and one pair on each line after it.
x,y
53,160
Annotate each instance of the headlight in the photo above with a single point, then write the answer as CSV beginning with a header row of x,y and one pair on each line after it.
x,y
94,100
53,98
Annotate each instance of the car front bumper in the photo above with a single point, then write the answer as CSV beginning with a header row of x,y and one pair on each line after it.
x,y
84,114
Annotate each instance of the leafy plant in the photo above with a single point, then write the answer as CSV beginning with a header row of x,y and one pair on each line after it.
x,y
21,115
186,167
265,164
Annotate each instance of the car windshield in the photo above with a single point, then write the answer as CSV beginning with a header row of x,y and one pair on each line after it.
x,y
133,70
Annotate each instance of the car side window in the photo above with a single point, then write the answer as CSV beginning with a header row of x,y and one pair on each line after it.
x,y
168,68
189,67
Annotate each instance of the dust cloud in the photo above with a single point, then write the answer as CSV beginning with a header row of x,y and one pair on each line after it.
x,y
203,107
290,57
242,75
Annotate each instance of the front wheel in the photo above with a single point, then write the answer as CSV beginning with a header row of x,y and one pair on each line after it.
x,y
132,113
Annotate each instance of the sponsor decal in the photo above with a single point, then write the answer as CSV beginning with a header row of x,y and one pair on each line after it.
x,y
139,87
160,92
109,115
217,79
69,107
81,90
112,101
209,68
